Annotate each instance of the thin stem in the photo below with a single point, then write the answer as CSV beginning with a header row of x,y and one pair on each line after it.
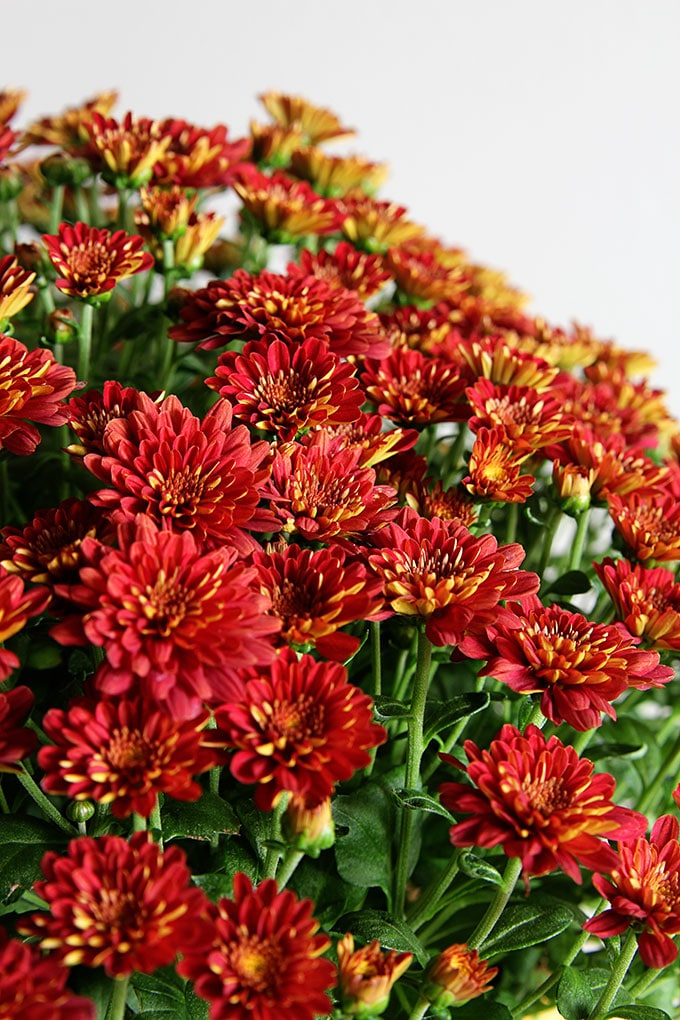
x,y
56,207
116,1010
512,872
85,342
576,552
272,856
419,1010
511,521
138,823
155,821
4,806
637,990
82,208
376,659
616,978
426,905
288,865
44,803
549,533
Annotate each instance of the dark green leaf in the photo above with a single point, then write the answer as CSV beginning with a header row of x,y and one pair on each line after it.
x,y
476,867
390,708
390,932
416,800
200,819
487,1010
526,924
612,750
440,715
574,582
164,995
364,852
634,1012
23,841
575,997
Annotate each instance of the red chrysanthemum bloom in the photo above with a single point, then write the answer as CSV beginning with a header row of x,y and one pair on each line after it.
x,y
422,277
437,571
290,308
16,741
174,621
644,892
321,491
92,261
272,145
412,388
526,416
33,987
315,592
198,157
15,283
430,499
16,609
495,468
616,405
124,753
187,474
316,123
418,328
345,267
125,151
299,726
376,226
124,906
577,667
494,358
366,976
284,388
90,413
457,976
646,599
285,209
366,435
10,101
65,130
259,956
618,468
32,386
542,803
650,528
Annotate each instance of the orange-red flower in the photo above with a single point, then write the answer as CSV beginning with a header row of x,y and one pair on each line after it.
x,y
415,389
89,414
316,123
616,405
335,176
125,151
282,208
424,329
650,528
286,388
437,571
16,609
617,467
258,956
299,727
124,753
198,157
291,308
366,976
92,261
495,468
376,226
421,277
345,266
16,741
366,435
542,803
430,499
32,387
126,907
644,892
525,415
273,145
493,357
456,976
577,667
15,284
647,600
66,130
33,986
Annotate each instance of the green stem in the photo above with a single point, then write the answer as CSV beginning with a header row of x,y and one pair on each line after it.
x,y
376,659
138,823
644,982
511,521
155,821
288,865
426,905
616,978
582,740
44,803
513,870
272,855
56,207
419,1010
576,552
551,527
85,342
4,806
669,766
116,1010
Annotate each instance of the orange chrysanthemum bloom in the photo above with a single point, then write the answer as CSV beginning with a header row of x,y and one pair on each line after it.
x,y
273,145
423,329
126,151
10,101
647,600
412,388
124,906
650,528
437,571
376,226
92,261
15,285
430,499
335,176
457,976
321,491
198,157
258,956
542,803
495,466
526,416
285,388
618,468
90,413
316,123
124,753
66,130
644,892
616,406
367,437
282,208
16,609
165,212
614,360
33,986
32,388
346,267
366,976
170,215
291,308
16,740
423,278
314,593
299,727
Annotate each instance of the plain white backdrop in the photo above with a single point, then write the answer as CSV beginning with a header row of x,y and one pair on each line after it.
x,y
541,136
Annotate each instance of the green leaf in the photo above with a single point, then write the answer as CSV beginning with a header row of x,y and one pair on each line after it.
x,y
199,819
364,852
526,924
612,750
23,841
390,708
574,582
164,995
476,867
440,715
416,800
575,997
634,1012
488,1010
390,932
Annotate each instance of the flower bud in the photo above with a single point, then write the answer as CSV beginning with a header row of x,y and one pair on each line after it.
x,y
58,170
573,484
308,829
11,183
366,976
80,811
456,976
62,326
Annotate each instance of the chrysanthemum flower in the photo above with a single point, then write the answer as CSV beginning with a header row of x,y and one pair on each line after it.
x,y
647,600
422,277
165,212
16,609
124,906
577,667
315,592
198,157
335,176
422,329
90,413
430,499
367,437
437,571
376,226
173,621
285,388
299,727
273,145
618,468
32,388
525,415
16,741
10,101
15,284
366,976
125,151
33,987
259,956
186,474
321,491
457,976
495,468
316,123
644,892
92,261
412,388
292,309
124,753
285,209
495,358
542,803
616,405
346,267
66,130
650,528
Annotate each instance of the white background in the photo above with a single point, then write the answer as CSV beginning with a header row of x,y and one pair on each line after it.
x,y
541,136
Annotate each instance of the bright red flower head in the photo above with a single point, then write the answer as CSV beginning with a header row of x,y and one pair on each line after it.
x,y
495,468
526,416
33,986
366,976
16,609
650,528
125,151
366,435
126,907
414,389
457,976
285,209
344,267
92,261
422,276
539,801
258,957
644,893
124,753
299,726
90,413
198,157
16,741
32,387
646,599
